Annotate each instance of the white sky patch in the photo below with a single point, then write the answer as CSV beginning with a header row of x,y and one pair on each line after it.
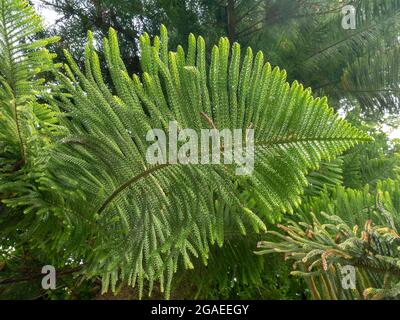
x,y
393,133
49,16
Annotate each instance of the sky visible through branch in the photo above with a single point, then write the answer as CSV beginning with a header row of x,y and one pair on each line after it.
x,y
50,17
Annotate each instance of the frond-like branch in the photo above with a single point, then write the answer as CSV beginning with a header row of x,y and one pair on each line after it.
x,y
155,219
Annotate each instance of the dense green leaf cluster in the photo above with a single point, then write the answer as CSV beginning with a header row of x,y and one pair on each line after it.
x,y
349,227
28,125
77,192
139,216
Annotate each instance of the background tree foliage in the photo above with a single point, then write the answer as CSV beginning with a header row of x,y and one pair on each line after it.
x,y
304,37
358,70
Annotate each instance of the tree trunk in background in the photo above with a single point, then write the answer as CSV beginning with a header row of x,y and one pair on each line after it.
x,y
231,20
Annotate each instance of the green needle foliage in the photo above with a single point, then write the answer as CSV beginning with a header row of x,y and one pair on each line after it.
x,y
75,186
349,227
23,62
350,66
359,65
328,176
306,38
141,223
27,124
